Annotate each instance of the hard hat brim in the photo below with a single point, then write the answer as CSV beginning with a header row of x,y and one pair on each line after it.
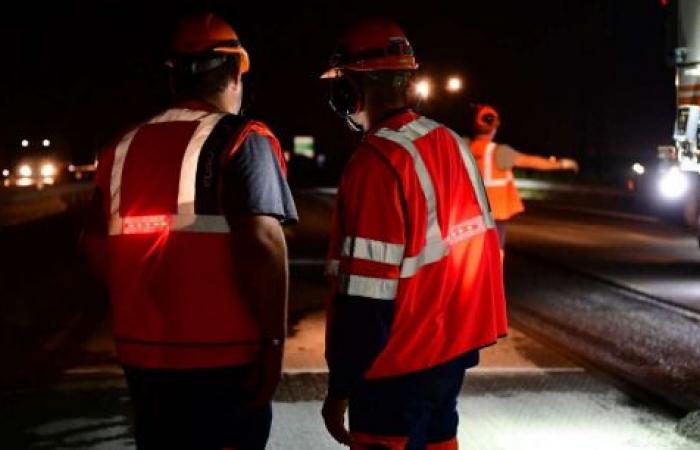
x,y
244,58
371,66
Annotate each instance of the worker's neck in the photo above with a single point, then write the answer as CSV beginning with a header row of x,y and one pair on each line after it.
x,y
222,102
376,114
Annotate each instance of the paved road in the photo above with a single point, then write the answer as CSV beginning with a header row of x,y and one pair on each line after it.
x,y
526,394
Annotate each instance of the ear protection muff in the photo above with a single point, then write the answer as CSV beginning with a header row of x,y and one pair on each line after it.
x,y
345,99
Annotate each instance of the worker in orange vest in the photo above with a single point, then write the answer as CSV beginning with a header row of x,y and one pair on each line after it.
x,y
186,227
496,163
414,262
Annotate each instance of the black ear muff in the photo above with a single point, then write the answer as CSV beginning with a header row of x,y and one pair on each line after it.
x,y
345,97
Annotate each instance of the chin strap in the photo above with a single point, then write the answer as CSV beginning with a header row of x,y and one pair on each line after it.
x,y
354,126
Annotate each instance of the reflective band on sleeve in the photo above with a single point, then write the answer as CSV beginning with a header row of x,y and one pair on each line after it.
x,y
188,169
371,250
168,223
475,178
115,182
332,267
369,287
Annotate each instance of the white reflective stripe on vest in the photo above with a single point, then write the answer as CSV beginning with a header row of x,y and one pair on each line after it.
x,y
435,252
369,287
168,223
188,169
437,246
404,138
489,180
115,182
371,250
475,179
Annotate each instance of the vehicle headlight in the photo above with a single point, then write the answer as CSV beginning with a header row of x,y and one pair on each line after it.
x,y
48,170
673,184
25,170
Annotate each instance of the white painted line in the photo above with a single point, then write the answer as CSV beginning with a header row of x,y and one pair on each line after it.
x,y
303,370
606,213
99,370
524,370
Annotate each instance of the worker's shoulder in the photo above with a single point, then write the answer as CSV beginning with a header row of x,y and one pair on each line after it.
x,y
368,160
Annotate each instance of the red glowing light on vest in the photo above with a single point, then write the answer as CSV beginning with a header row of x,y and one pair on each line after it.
x,y
146,224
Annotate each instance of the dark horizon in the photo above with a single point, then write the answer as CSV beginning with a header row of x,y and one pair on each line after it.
x,y
580,78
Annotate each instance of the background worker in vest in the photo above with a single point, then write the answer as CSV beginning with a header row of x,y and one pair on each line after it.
x,y
496,163
417,285
187,228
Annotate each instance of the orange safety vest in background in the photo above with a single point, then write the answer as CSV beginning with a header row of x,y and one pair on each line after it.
x,y
175,302
423,238
500,184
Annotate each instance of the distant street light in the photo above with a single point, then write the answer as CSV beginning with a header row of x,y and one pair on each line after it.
x,y
422,89
454,84
46,143
25,143
638,169
5,173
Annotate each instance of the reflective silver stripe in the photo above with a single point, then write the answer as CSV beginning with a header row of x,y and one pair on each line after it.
x,y
188,169
475,178
115,182
436,251
369,287
332,267
405,140
371,250
431,253
489,181
180,222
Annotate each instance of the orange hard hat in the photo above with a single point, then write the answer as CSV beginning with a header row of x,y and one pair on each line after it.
x,y
370,45
208,33
486,119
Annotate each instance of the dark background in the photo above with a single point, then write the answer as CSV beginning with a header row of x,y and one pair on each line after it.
x,y
586,78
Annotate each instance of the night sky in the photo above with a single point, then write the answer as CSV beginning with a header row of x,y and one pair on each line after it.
x,y
586,78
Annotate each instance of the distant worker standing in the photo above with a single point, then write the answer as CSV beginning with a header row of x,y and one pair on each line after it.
x,y
187,228
413,259
496,163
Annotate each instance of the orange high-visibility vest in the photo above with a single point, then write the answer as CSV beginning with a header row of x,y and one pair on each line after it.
x,y
175,301
422,238
500,184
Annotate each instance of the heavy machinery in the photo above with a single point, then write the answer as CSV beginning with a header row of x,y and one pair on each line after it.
x,y
680,163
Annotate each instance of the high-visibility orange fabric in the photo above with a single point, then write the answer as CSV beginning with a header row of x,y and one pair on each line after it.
x,y
175,301
500,184
446,280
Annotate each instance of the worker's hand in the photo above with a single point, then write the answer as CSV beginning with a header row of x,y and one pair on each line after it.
x,y
265,375
333,413
568,164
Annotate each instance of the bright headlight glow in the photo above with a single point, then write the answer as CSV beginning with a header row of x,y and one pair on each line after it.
x,y
25,170
5,173
25,143
638,169
48,170
46,143
454,84
423,89
673,184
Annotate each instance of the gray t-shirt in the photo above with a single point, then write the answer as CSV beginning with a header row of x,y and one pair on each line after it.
x,y
505,156
255,185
